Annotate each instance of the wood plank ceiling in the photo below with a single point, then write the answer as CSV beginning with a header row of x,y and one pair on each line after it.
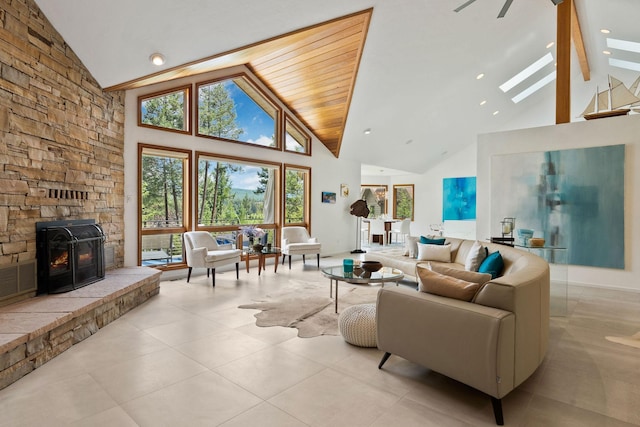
x,y
312,70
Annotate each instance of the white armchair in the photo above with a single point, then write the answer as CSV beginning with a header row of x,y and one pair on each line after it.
x,y
296,241
203,251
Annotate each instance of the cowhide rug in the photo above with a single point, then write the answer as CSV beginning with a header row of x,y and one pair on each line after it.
x,y
312,312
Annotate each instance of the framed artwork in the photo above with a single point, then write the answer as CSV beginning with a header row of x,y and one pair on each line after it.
x,y
459,198
344,190
328,197
572,198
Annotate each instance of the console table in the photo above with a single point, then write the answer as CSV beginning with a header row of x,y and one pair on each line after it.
x,y
557,258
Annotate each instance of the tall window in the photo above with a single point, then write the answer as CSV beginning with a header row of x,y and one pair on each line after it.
x,y
236,191
164,203
403,201
297,203
234,109
167,110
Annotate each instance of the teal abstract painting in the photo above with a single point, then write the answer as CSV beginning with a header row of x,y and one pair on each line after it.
x,y
459,198
572,198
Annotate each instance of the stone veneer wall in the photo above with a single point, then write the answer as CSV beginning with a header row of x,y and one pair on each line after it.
x,y
61,137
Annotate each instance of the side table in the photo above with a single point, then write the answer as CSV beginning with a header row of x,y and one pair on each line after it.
x,y
262,255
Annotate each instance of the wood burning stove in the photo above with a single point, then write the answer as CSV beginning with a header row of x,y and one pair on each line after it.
x,y
70,255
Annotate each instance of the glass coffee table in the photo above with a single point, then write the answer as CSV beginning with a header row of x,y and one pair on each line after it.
x,y
359,276
262,255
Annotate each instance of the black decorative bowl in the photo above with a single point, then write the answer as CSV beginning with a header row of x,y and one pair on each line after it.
x,y
370,266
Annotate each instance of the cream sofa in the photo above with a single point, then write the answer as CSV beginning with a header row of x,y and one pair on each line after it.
x,y
492,343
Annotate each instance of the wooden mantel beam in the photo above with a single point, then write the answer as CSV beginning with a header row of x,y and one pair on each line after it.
x,y
578,43
563,52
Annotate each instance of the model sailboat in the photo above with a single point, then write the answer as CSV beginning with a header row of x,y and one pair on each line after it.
x,y
610,102
635,90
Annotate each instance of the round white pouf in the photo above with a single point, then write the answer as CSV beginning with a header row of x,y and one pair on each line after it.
x,y
358,325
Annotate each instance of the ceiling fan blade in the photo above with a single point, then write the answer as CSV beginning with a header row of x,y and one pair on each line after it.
x,y
459,8
505,8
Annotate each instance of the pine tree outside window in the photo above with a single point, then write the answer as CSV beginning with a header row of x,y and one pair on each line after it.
x,y
234,109
168,110
234,192
164,202
297,201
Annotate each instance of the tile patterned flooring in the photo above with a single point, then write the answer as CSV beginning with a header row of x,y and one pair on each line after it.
x,y
190,357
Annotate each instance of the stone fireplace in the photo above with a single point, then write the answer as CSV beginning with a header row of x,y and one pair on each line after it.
x,y
70,255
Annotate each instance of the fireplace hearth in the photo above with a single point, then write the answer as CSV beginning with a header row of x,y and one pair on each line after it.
x,y
70,255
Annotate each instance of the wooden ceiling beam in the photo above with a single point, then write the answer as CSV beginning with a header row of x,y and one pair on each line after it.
x,y
563,52
578,43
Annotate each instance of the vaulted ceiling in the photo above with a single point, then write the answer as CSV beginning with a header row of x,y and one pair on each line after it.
x,y
404,69
312,70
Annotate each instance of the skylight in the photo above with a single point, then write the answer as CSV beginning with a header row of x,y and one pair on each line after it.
x,y
534,87
527,72
623,45
629,65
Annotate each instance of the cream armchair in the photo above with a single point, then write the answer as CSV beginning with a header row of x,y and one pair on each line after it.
x,y
296,241
203,251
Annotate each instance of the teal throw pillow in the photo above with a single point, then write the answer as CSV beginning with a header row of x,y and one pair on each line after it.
x,y
492,264
428,241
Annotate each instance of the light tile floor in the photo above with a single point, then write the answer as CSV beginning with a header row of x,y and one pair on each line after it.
x,y
190,357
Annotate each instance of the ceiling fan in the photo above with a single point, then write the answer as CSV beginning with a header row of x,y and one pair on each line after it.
x,y
504,9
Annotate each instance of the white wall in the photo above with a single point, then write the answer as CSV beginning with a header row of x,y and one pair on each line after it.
x,y
428,193
331,223
610,131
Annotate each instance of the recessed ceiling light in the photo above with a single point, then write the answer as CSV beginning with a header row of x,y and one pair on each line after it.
x,y
479,76
495,113
157,59
605,31
550,44
606,52
484,101
527,72
367,131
